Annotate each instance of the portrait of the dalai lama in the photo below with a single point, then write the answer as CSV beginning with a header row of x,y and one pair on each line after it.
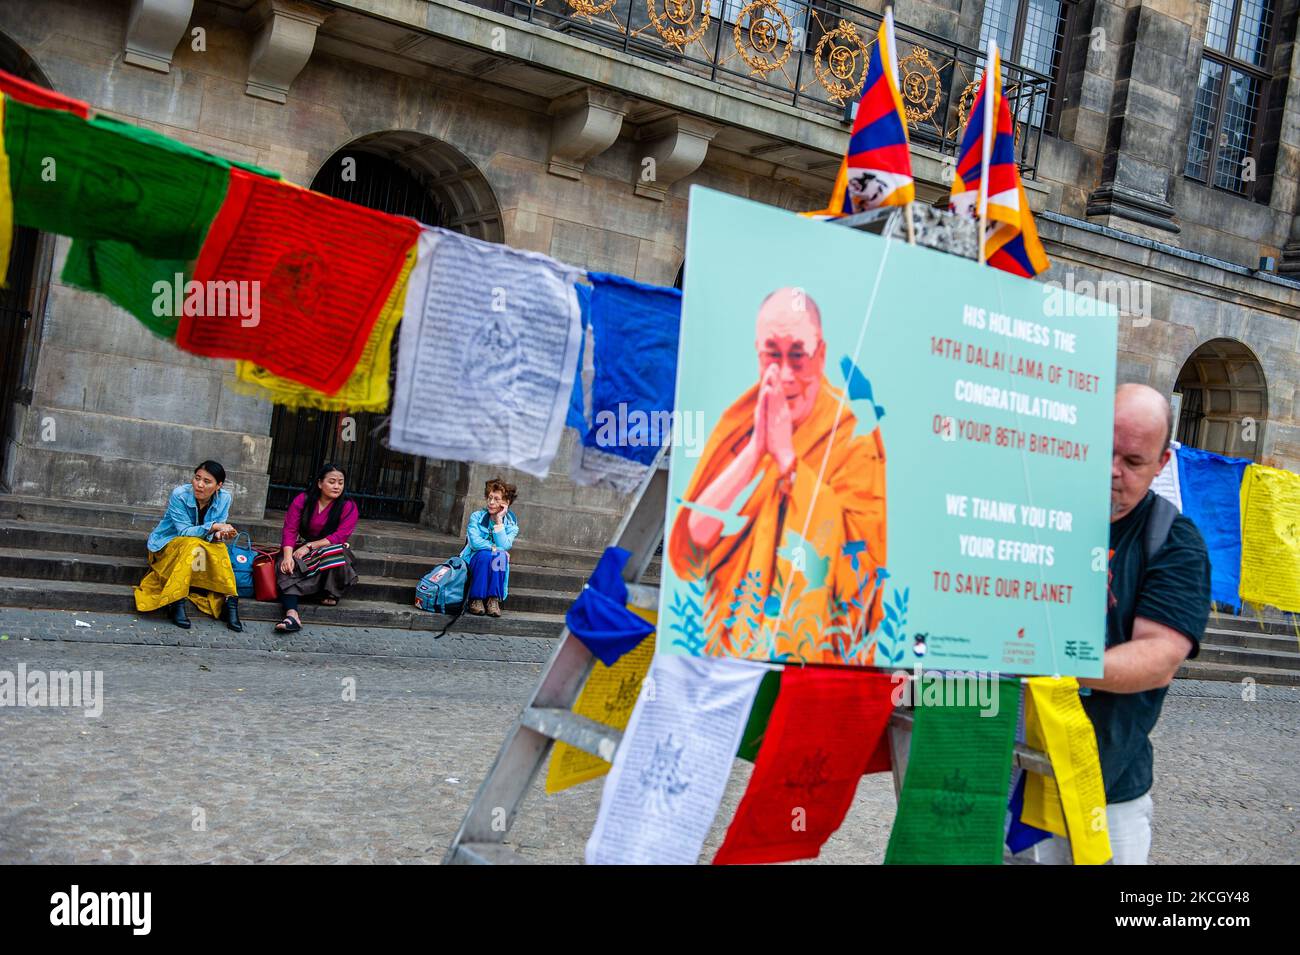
x,y
785,510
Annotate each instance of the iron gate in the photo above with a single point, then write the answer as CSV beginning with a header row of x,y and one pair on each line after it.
x,y
15,321
386,484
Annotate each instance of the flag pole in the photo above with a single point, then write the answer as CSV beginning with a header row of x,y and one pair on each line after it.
x,y
893,68
991,66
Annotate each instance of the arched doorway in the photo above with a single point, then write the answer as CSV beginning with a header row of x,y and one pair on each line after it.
x,y
1224,400
26,287
408,174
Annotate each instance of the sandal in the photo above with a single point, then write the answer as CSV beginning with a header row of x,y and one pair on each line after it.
x,y
329,601
288,625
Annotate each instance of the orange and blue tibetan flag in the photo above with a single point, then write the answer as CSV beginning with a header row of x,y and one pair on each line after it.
x,y
1011,241
877,166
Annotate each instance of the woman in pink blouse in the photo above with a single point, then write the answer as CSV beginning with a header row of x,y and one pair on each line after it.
x,y
315,556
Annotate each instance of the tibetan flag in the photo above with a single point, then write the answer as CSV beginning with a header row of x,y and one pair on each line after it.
x,y
366,388
1011,239
33,95
6,202
878,161
824,729
877,166
316,270
104,179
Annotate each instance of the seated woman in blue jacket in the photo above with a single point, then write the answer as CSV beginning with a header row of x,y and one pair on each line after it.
x,y
187,557
492,531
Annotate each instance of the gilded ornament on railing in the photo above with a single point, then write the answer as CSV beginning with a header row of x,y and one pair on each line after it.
x,y
588,8
676,20
963,109
766,21
842,63
922,88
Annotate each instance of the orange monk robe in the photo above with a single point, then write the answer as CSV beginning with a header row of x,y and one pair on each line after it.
x,y
847,506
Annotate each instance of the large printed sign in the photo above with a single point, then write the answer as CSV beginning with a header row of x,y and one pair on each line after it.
x,y
908,455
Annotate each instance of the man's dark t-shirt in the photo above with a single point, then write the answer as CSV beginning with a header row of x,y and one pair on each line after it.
x,y
1173,589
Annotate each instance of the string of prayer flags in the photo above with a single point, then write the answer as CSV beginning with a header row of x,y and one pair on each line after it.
x,y
600,618
671,769
6,203
1056,721
607,697
1211,495
824,728
487,354
366,388
952,810
1270,537
25,92
104,179
312,274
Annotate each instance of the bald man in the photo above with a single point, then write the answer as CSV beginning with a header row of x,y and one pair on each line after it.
x,y
784,517
1158,602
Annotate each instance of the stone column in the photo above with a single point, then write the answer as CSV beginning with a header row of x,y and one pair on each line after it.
x,y
1285,199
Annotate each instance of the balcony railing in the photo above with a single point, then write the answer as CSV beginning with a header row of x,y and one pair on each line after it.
x,y
811,55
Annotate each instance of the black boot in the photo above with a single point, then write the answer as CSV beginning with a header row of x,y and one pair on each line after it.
x,y
230,613
178,615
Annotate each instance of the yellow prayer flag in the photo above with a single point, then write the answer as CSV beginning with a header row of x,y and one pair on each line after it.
x,y
366,388
1074,802
6,202
1270,537
608,697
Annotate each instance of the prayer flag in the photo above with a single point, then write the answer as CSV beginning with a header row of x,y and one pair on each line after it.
x,y
824,729
607,697
600,618
1270,537
1211,488
6,202
315,270
489,379
759,716
33,95
671,768
366,388
952,810
104,179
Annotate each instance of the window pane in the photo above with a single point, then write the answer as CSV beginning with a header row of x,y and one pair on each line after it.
x,y
1237,131
1219,25
1252,31
1042,35
1207,102
1000,24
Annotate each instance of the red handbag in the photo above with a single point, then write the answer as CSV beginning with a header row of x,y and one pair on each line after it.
x,y
264,585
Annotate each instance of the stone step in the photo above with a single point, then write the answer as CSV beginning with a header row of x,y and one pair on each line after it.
x,y
1252,639
106,569
117,599
378,537
1244,656
1272,622
127,544
1235,673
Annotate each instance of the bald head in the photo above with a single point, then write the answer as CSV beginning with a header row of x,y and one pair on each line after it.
x,y
1143,428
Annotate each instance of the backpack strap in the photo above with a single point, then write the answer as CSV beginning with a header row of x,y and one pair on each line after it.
x,y
1163,515
464,602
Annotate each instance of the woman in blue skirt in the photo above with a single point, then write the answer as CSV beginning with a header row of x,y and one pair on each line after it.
x,y
492,531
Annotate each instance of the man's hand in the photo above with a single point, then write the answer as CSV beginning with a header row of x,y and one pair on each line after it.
x,y
780,431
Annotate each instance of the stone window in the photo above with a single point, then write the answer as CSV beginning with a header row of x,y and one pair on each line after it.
x,y
1223,147
1032,34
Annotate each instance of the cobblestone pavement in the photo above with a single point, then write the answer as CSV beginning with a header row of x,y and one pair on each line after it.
x,y
231,755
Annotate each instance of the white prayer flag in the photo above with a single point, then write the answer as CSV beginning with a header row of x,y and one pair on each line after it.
x,y
488,349
671,769
1167,484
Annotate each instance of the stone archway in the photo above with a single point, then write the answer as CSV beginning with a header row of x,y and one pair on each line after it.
x,y
1224,400
409,174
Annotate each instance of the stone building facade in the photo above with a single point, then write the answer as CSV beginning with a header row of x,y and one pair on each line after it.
x,y
578,136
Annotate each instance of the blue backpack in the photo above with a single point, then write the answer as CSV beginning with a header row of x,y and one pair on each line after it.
x,y
443,589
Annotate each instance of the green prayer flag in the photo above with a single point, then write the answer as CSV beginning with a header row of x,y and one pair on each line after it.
x,y
953,807
103,179
752,739
127,278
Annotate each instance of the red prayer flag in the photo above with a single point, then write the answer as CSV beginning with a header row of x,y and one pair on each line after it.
x,y
824,730
881,760
322,269
33,95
